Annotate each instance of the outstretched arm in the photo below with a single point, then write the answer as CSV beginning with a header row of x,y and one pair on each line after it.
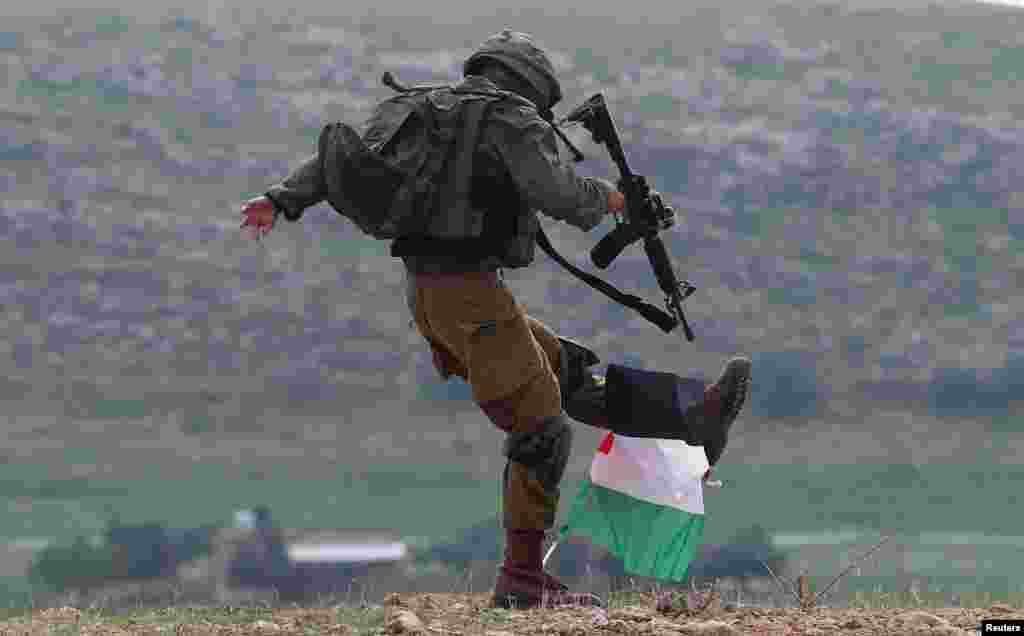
x,y
302,189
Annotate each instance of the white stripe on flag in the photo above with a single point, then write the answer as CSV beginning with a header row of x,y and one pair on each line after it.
x,y
662,472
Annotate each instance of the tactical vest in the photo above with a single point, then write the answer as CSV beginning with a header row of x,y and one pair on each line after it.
x,y
412,168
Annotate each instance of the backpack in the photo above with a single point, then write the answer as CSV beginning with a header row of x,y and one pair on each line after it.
x,y
413,159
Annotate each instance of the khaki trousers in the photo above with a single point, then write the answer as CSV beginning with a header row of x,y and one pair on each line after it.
x,y
479,332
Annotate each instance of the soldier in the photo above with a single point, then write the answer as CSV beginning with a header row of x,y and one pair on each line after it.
x,y
525,378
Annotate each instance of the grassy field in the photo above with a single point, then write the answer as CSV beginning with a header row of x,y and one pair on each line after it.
x,y
51,499
822,515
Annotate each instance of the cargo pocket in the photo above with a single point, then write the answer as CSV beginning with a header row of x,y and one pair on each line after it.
x,y
501,353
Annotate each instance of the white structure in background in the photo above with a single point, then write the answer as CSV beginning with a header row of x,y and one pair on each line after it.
x,y
330,552
324,560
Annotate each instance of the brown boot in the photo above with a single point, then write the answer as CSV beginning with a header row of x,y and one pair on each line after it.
x,y
521,588
722,403
522,582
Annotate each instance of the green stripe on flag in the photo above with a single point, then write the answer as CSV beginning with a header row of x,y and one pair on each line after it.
x,y
655,541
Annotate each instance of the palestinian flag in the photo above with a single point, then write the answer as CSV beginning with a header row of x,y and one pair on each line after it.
x,y
643,500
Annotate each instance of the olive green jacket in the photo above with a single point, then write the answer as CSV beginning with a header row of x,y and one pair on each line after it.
x,y
515,140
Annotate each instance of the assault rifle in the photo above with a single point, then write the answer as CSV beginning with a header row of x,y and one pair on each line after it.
x,y
647,216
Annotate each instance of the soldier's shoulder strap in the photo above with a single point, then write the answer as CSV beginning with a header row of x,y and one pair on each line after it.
x,y
455,198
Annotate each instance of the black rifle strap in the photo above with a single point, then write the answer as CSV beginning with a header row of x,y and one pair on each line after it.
x,y
662,319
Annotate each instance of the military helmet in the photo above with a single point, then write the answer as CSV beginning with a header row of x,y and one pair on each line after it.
x,y
520,53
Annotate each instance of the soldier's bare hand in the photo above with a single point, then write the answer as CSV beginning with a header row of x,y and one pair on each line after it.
x,y
260,216
616,202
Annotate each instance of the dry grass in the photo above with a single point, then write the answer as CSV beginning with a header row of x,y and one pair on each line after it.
x,y
633,611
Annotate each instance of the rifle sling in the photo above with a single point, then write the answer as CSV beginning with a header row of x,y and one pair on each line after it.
x,y
662,319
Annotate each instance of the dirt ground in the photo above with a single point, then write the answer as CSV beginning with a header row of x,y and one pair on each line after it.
x,y
459,614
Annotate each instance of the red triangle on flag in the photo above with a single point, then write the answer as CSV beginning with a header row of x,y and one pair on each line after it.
x,y
606,444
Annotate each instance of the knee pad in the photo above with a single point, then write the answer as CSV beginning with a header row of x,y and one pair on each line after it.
x,y
545,452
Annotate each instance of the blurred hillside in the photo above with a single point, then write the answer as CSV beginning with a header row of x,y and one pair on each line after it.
x,y
846,178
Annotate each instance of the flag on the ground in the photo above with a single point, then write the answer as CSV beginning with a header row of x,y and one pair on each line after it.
x,y
643,500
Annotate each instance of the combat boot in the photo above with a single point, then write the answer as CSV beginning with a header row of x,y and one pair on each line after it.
x,y
712,418
522,588
522,582
657,404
